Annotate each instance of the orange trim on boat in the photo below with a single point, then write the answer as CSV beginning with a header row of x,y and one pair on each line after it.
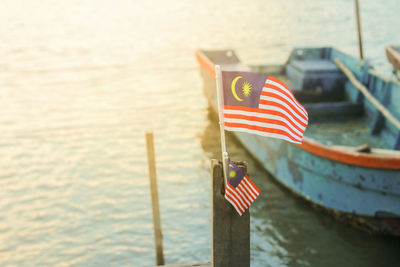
x,y
316,148
206,64
352,158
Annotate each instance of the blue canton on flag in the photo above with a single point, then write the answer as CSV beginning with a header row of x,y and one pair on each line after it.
x,y
240,190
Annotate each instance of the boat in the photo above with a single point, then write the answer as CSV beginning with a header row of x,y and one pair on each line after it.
x,y
349,161
393,55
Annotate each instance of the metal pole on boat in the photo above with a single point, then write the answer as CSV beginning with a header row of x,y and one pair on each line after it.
x,y
360,47
220,99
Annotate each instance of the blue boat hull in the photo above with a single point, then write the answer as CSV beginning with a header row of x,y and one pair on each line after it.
x,y
369,197
334,185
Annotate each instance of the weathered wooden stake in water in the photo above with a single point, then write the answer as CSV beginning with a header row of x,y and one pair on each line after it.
x,y
360,46
154,199
230,232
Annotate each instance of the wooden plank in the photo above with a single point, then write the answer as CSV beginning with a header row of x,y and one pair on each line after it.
x,y
386,113
230,232
154,199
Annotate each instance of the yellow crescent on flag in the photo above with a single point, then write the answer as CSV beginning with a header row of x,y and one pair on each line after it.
x,y
233,87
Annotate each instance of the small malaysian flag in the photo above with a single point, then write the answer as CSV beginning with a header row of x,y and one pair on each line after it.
x,y
261,104
240,190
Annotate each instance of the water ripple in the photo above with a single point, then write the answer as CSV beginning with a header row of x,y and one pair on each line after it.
x,y
77,97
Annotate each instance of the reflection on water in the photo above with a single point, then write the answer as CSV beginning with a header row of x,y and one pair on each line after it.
x,y
80,83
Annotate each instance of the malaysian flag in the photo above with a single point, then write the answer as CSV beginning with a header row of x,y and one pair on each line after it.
x,y
260,104
240,190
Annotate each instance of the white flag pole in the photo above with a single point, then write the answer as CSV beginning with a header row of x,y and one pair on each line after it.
x,y
220,98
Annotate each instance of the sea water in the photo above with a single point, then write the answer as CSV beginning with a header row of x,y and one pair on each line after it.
x,y
81,81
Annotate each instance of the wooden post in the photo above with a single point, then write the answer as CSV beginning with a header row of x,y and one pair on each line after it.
x,y
154,200
230,232
360,47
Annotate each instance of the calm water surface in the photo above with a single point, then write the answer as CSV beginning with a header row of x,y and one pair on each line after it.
x,y
80,83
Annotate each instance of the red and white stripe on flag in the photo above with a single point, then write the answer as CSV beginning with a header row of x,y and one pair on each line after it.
x,y
243,195
278,115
